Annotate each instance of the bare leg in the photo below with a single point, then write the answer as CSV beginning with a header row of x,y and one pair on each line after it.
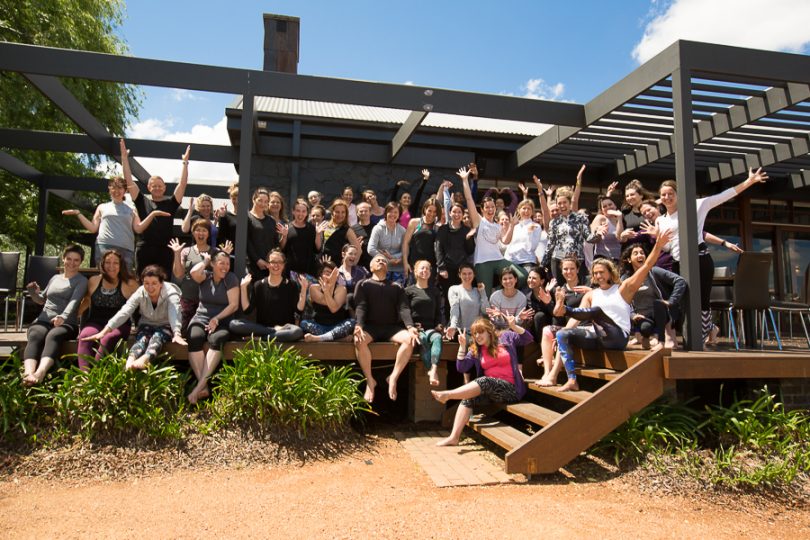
x,y
403,357
363,354
468,391
547,348
210,363
553,373
29,367
433,375
570,386
462,417
197,361
311,337
45,364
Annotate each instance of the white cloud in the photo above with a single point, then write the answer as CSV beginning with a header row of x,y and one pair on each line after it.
x,y
169,169
540,89
409,83
775,25
180,94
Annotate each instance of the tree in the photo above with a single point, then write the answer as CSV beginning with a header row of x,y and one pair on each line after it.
x,y
72,24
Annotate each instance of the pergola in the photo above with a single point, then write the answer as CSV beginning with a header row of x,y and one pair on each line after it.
x,y
746,108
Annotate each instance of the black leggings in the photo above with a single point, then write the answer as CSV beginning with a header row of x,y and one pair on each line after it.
x,y
197,335
655,322
45,340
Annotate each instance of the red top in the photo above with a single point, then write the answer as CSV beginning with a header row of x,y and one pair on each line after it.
x,y
499,367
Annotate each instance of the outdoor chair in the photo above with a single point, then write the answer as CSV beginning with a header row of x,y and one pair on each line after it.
x,y
9,269
799,306
750,293
40,269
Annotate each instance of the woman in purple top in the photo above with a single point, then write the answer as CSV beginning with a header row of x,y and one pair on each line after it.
x,y
497,371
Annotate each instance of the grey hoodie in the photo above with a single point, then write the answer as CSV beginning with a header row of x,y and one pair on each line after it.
x,y
167,312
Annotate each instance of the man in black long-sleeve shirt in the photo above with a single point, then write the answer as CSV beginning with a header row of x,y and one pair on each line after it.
x,y
382,315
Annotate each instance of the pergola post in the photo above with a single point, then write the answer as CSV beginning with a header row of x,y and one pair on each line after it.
x,y
245,158
42,216
687,210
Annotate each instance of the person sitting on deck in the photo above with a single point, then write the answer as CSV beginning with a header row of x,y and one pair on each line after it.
x,y
106,294
497,371
59,319
426,312
276,300
657,304
331,321
158,302
218,301
607,307
382,315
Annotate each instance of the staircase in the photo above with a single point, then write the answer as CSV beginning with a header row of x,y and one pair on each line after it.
x,y
558,426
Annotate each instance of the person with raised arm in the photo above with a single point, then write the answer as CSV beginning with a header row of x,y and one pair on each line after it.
x,y
406,202
382,315
669,198
152,248
201,207
453,248
219,301
158,302
107,292
523,240
331,320
607,308
498,378
226,218
115,222
487,258
59,319
566,235
603,240
336,233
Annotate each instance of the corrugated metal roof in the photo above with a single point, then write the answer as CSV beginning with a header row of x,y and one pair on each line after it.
x,y
382,115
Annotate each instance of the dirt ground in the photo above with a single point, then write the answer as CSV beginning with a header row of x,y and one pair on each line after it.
x,y
377,493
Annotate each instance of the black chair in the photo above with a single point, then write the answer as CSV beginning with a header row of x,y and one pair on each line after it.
x,y
722,296
750,292
9,269
800,305
40,269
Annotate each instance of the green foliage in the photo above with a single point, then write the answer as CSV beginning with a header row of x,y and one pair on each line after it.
x,y
267,387
73,24
748,443
19,407
110,403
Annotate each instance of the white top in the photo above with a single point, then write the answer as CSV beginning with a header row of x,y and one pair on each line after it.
x,y
352,215
486,242
526,237
614,306
704,206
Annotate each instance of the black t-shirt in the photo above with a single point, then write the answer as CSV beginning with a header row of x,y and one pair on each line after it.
x,y
300,249
364,232
227,228
161,230
425,306
275,306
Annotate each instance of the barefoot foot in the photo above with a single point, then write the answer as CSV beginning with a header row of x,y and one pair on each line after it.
x,y
311,337
570,386
439,396
433,376
140,363
449,441
545,382
369,394
392,388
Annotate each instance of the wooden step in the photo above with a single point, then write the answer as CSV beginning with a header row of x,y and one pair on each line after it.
x,y
604,374
501,434
533,413
574,397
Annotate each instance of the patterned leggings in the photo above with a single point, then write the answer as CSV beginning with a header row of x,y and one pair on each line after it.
x,y
604,334
150,340
493,389
328,332
431,347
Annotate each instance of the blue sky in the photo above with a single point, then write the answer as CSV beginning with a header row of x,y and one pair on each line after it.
x,y
542,49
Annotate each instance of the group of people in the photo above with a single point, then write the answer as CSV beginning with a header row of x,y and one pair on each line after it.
x,y
492,273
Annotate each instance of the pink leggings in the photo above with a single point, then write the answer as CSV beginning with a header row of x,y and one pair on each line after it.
x,y
87,349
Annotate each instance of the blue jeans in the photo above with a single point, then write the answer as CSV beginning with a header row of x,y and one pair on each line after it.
x,y
604,334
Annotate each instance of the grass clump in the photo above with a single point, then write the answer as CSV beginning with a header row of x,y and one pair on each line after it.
x,y
749,443
268,387
19,406
111,404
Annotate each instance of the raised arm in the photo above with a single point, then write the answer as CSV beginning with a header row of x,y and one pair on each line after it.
x,y
132,187
198,273
180,190
577,189
186,225
417,199
139,225
464,174
630,286
90,226
543,202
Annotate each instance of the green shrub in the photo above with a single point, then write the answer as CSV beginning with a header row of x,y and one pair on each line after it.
x,y
20,407
661,428
109,403
267,387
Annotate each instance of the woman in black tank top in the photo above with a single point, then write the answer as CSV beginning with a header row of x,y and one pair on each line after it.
x,y
419,241
106,294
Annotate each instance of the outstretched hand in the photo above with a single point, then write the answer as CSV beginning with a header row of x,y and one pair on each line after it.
x,y
757,176
187,153
175,245
227,247
463,173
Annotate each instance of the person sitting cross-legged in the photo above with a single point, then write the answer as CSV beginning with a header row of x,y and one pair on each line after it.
x,y
497,371
382,315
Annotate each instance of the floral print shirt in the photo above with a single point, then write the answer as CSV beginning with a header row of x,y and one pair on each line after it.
x,y
566,236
